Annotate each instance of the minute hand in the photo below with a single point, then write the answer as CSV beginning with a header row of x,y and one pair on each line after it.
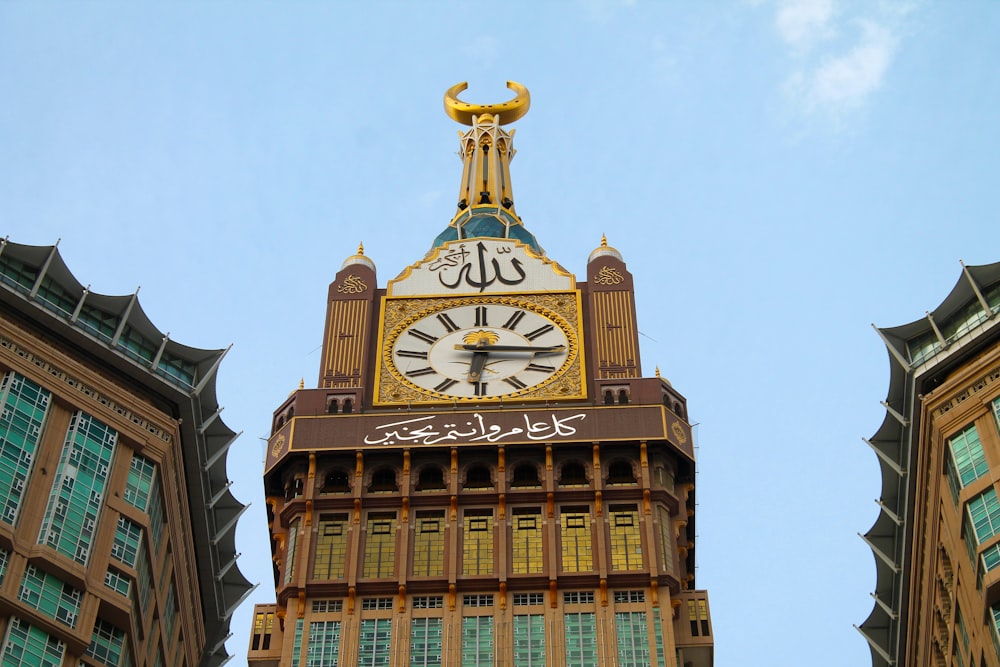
x,y
512,348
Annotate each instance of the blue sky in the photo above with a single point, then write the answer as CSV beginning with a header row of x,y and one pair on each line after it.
x,y
777,175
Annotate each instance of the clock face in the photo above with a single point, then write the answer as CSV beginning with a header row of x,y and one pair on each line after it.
x,y
480,350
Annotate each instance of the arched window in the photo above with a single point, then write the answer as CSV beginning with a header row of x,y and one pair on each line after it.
x,y
431,479
573,474
609,398
478,477
383,480
525,474
620,472
623,397
348,406
336,481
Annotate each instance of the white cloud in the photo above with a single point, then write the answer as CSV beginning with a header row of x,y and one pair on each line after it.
x,y
803,23
844,83
840,51
601,11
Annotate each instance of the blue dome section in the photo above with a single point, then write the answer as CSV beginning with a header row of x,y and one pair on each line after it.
x,y
487,223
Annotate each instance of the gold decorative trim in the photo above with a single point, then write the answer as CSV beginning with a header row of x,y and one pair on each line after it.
x,y
678,432
352,285
608,276
53,371
981,383
279,446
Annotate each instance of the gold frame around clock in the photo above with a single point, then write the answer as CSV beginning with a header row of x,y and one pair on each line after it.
x,y
392,388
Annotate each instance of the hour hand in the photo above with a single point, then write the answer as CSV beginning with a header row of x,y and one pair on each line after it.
x,y
478,363
512,348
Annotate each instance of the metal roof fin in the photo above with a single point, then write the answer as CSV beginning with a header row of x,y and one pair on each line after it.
x,y
875,647
975,288
892,349
43,270
937,332
79,305
211,371
125,315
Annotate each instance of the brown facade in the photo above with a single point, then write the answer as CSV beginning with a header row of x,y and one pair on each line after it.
x,y
101,562
482,477
404,522
937,540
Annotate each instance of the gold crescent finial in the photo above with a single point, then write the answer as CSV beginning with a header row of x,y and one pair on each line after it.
x,y
508,111
361,248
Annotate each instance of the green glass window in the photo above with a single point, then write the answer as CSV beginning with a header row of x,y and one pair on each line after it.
x,y
50,595
991,557
99,323
477,641
293,536
426,642
331,547
27,646
428,545
78,490
994,616
117,581
967,461
661,659
374,643
127,542
141,479
526,540
581,639
145,575
4,558
109,645
23,407
134,345
55,298
170,612
176,370
17,274
529,640
996,411
477,542
626,544
633,639
297,644
324,644
984,515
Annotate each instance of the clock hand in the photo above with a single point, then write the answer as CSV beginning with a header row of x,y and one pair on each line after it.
x,y
512,348
479,354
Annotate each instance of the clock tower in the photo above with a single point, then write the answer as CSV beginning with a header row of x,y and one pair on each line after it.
x,y
482,477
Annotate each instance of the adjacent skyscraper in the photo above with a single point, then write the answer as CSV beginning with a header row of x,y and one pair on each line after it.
x,y
116,523
937,539
481,477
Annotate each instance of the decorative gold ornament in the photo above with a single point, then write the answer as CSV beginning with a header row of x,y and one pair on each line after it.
x,y
352,285
279,446
678,432
608,276
509,111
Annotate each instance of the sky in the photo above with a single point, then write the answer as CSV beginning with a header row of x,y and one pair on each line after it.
x,y
778,175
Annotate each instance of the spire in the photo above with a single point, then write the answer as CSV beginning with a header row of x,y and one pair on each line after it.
x,y
604,250
485,195
359,258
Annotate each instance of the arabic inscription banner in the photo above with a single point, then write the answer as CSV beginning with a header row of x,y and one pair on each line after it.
x,y
480,427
